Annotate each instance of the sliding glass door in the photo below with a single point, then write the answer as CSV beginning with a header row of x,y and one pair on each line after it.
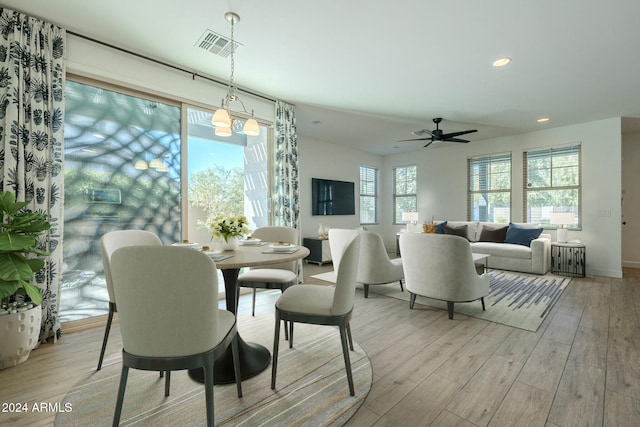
x,y
122,171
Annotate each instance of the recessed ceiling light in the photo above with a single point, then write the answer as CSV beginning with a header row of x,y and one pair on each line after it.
x,y
501,62
316,122
543,119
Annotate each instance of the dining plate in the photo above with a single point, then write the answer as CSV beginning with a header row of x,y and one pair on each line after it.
x,y
281,246
250,241
191,245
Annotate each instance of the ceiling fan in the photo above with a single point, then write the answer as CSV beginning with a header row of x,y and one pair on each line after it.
x,y
438,135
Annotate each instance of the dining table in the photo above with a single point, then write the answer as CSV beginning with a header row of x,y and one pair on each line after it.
x,y
254,358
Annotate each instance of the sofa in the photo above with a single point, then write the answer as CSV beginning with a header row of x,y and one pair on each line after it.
x,y
487,238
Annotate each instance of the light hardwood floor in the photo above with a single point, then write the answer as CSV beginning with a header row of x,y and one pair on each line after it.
x,y
581,368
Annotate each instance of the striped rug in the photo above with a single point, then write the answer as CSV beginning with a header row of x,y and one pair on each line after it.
x,y
516,299
311,389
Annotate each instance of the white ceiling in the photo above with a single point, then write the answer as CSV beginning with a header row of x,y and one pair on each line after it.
x,y
346,64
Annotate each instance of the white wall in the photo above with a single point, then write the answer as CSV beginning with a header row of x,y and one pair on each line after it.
x,y
96,61
319,159
442,184
631,200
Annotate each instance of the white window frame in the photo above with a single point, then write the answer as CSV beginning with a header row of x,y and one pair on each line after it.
x,y
552,168
369,177
481,186
407,192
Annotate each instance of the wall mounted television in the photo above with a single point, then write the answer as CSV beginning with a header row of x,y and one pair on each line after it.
x,y
330,197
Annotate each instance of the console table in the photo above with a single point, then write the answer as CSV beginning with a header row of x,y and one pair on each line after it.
x,y
319,250
568,259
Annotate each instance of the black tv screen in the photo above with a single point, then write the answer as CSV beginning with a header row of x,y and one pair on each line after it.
x,y
329,197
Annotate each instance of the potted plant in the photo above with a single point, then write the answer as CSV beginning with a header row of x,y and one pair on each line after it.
x,y
227,229
20,311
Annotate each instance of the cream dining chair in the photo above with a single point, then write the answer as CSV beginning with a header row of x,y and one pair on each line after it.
x,y
109,243
323,305
273,276
167,301
374,265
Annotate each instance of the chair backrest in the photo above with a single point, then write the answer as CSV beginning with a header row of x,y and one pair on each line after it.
x,y
345,250
167,300
279,234
117,239
374,261
440,266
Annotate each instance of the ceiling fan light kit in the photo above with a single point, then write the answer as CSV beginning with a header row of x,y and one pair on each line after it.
x,y
438,135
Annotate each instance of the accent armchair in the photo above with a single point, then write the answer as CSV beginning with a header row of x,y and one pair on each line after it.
x,y
374,265
441,267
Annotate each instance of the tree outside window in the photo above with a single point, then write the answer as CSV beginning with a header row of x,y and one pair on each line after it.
x,y
489,188
368,195
404,192
552,183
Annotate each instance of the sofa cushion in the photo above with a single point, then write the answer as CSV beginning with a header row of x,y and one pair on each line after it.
x,y
440,227
493,233
472,228
520,235
460,230
504,250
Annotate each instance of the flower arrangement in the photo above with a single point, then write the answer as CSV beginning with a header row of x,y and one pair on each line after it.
x,y
223,227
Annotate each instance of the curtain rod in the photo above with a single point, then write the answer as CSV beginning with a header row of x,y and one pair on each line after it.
x,y
156,61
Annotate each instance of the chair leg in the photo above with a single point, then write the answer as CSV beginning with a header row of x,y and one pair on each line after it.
x,y
253,304
286,330
349,336
366,290
450,309
347,361
208,389
235,354
401,288
412,300
274,360
112,309
167,383
290,334
120,398
482,301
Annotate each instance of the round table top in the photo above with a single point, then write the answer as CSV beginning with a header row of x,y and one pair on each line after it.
x,y
255,256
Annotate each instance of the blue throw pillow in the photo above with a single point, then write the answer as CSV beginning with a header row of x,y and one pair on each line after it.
x,y
440,227
521,236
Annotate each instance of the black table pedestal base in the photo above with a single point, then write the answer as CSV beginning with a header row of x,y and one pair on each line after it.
x,y
254,358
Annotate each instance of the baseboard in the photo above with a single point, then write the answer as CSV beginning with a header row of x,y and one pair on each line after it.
x,y
605,273
630,264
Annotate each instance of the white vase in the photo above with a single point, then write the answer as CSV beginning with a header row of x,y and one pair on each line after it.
x,y
18,336
230,245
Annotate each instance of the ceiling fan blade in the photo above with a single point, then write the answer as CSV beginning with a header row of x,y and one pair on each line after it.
x,y
428,144
455,140
453,134
416,139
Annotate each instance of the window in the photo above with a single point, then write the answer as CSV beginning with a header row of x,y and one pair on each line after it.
x,y
368,195
552,183
404,192
489,188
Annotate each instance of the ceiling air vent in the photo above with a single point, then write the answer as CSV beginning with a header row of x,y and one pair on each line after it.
x,y
216,43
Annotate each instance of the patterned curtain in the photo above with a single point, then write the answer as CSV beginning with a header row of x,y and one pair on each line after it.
x,y
32,77
287,186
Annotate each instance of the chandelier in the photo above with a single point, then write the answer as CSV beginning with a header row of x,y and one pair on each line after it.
x,y
222,117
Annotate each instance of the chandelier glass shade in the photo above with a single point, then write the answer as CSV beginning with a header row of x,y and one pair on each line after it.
x,y
222,117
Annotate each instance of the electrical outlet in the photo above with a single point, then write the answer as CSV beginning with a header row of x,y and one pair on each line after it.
x,y
604,213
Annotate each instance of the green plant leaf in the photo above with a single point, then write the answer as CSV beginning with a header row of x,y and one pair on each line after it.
x,y
16,242
34,293
8,288
14,266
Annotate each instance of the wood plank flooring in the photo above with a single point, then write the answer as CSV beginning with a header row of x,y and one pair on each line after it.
x,y
581,368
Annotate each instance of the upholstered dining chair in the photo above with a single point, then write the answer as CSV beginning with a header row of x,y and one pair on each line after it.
x,y
167,300
323,305
374,265
109,243
440,266
274,276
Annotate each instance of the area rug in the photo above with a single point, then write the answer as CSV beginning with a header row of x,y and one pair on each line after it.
x,y
311,389
516,299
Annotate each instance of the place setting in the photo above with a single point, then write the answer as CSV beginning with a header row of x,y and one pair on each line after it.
x,y
215,255
280,248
